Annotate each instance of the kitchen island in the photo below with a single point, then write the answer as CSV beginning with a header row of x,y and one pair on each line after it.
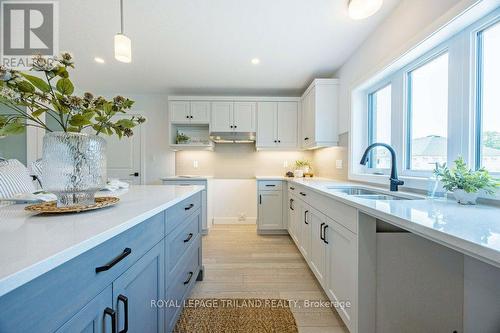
x,y
67,272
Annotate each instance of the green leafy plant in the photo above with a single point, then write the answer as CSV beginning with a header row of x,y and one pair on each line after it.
x,y
181,138
463,178
50,92
299,164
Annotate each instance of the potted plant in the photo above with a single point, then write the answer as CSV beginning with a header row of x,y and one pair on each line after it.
x,y
464,182
74,156
181,138
301,167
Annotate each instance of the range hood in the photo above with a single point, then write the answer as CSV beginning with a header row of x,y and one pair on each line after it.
x,y
232,137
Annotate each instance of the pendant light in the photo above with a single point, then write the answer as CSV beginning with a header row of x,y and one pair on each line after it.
x,y
123,44
360,9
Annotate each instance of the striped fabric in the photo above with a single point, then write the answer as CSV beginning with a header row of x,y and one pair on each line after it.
x,y
14,178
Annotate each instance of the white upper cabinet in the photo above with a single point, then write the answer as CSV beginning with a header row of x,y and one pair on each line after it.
x,y
267,119
288,113
222,117
200,112
244,116
277,125
179,112
185,112
319,114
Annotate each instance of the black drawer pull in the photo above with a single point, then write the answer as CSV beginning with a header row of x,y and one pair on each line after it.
x,y
291,204
305,217
302,194
324,234
321,232
189,237
189,278
110,312
113,262
270,185
189,207
124,300
292,188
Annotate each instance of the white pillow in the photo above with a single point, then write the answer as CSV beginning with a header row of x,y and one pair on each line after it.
x,y
14,179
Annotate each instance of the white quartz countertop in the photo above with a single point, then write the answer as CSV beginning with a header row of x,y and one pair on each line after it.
x,y
187,177
472,230
31,245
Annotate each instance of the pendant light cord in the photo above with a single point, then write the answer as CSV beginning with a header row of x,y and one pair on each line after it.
x,y
121,16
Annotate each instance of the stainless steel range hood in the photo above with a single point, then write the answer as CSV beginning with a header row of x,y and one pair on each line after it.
x,y
232,137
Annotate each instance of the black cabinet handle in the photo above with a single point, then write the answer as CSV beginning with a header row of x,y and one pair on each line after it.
x,y
305,217
189,237
302,194
270,185
279,141
275,141
260,199
321,232
292,188
324,234
291,204
231,126
113,262
189,207
124,300
189,278
191,117
235,126
306,139
135,174
110,312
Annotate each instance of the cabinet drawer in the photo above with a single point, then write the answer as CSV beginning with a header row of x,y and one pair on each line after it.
x,y
186,182
47,302
180,212
181,281
179,240
270,185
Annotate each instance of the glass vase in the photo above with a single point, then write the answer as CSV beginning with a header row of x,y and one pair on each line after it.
x,y
74,167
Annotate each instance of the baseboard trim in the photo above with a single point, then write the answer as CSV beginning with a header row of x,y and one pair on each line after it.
x,y
234,220
272,232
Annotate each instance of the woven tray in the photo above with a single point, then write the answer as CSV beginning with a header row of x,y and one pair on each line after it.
x,y
51,208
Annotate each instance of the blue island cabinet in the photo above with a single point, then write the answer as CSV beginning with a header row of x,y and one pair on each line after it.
x,y
114,287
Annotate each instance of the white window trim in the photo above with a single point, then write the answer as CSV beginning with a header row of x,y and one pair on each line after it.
x,y
461,47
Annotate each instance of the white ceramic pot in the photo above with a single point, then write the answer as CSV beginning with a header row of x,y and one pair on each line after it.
x,y
299,173
465,198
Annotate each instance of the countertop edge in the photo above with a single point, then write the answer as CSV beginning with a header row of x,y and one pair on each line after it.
x,y
19,278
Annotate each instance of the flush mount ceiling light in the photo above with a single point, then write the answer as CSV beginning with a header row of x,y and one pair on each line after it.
x,y
360,9
99,60
123,45
255,61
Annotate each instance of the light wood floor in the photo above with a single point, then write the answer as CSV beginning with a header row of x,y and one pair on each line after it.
x,y
241,264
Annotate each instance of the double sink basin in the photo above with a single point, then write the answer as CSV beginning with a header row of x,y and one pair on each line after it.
x,y
364,193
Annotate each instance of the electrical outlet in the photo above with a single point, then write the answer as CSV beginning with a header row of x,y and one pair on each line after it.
x,y
242,217
195,164
338,164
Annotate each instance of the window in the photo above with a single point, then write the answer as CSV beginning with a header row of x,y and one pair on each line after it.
x,y
488,98
427,128
379,126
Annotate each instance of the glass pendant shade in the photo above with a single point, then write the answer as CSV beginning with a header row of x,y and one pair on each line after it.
x,y
123,48
360,9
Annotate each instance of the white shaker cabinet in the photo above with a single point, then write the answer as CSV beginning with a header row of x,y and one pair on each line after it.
x,y
233,117
200,112
179,112
271,207
186,112
222,117
319,114
244,116
318,244
277,125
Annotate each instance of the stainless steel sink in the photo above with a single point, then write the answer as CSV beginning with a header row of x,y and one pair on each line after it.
x,y
364,193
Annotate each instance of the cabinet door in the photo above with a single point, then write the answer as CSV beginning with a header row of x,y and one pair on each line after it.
x,y
292,218
96,317
222,117
308,119
341,265
287,124
135,289
267,117
244,116
179,112
270,210
317,258
200,112
305,231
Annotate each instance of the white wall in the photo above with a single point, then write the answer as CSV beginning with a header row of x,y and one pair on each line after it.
x,y
409,24
233,199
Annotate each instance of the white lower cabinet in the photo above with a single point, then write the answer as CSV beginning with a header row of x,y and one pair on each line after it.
x,y
293,218
271,209
304,235
317,258
341,259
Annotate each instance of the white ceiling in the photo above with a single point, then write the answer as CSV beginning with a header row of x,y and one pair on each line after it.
x,y
205,46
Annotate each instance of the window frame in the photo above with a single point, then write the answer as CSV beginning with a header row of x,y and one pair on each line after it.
x,y
477,85
370,123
